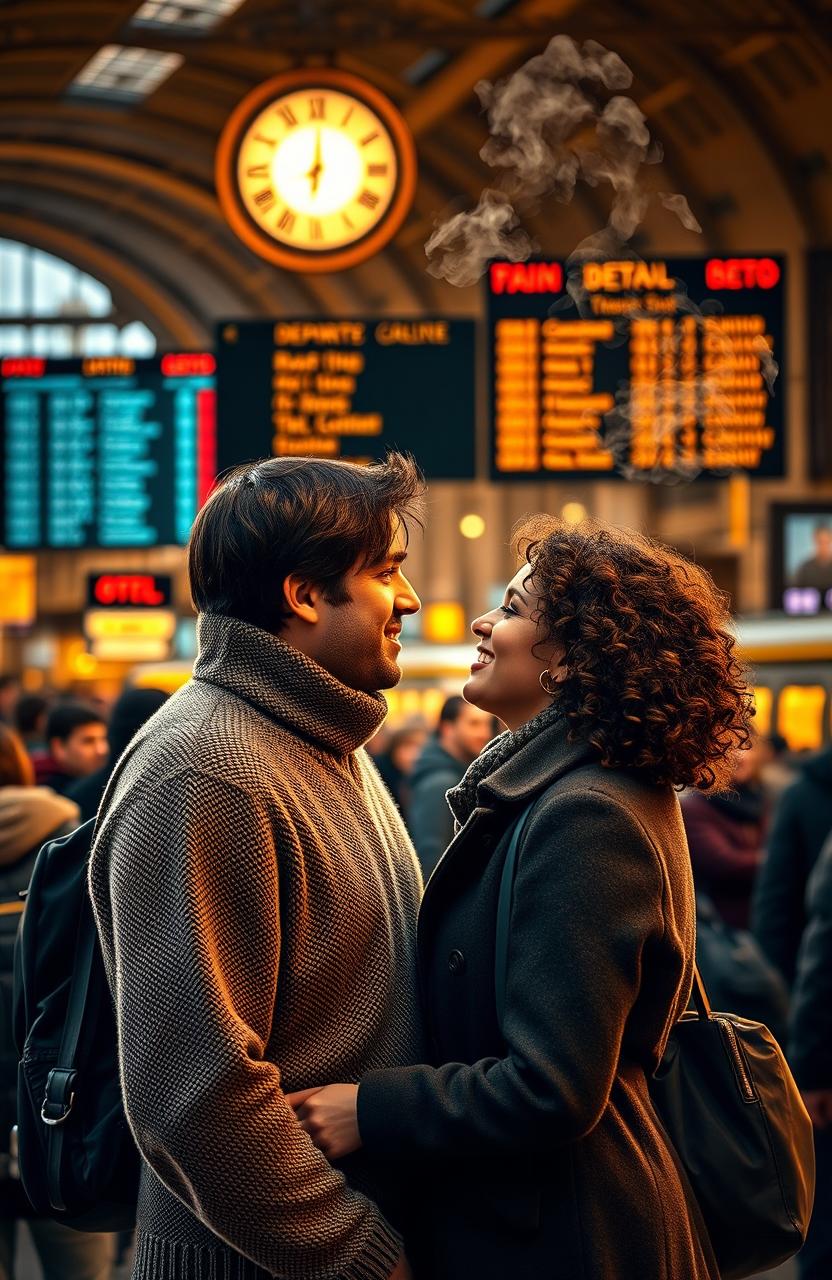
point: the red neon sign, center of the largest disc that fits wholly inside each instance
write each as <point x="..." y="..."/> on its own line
<point x="741" y="273"/>
<point x="188" y="363"/>
<point x="129" y="589"/>
<point x="23" y="367"/>
<point x="526" y="277"/>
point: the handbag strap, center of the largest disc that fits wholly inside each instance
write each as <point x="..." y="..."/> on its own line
<point x="699" y="995"/>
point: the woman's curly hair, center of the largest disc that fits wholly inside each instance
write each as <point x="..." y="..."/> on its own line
<point x="652" y="680"/>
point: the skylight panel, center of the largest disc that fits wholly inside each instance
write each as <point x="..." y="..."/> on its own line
<point x="121" y="73"/>
<point x="193" y="16"/>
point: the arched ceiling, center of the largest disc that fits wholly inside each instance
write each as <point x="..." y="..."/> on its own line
<point x="738" y="91"/>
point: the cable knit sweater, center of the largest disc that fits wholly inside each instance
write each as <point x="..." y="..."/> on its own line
<point x="256" y="896"/>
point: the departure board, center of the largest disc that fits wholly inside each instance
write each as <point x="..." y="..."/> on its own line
<point x="639" y="368"/>
<point x="348" y="389"/>
<point x="105" y="451"/>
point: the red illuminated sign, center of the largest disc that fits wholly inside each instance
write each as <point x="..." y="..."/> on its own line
<point x="187" y="364"/>
<point x="22" y="367"/>
<point x="741" y="273"/>
<point x="526" y="277"/>
<point x="128" y="590"/>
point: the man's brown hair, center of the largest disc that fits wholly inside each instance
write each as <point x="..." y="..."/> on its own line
<point x="311" y="516"/>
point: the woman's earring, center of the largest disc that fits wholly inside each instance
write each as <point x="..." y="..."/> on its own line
<point x="548" y="682"/>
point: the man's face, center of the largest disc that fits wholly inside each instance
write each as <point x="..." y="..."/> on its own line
<point x="84" y="751"/>
<point x="466" y="736"/>
<point x="357" y="641"/>
<point x="823" y="544"/>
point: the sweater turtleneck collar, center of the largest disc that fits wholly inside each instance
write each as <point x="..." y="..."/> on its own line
<point x="285" y="684"/>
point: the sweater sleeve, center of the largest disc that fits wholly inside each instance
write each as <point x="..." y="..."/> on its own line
<point x="587" y="902"/>
<point x="194" y="891"/>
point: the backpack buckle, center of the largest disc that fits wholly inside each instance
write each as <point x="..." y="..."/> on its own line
<point x="59" y="1096"/>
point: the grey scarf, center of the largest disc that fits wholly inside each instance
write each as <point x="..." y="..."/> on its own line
<point x="463" y="798"/>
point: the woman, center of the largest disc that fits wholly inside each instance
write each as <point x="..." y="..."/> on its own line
<point x="532" y="1149"/>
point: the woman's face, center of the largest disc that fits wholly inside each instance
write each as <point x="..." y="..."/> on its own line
<point x="505" y="678"/>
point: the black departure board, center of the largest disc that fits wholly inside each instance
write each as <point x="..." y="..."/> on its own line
<point x="636" y="380"/>
<point x="348" y="389"/>
<point x="105" y="451"/>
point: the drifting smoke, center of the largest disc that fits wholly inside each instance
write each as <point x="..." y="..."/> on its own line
<point x="550" y="127"/>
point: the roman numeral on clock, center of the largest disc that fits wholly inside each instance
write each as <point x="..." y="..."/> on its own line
<point x="286" y="221"/>
<point x="317" y="108"/>
<point x="264" y="199"/>
<point x="369" y="199"/>
<point x="371" y="137"/>
<point x="316" y="231"/>
<point x="377" y="170"/>
<point x="257" y="171"/>
<point x="287" y="114"/>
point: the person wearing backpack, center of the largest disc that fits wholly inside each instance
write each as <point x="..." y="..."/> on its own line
<point x="254" y="887"/>
<point x="30" y="815"/>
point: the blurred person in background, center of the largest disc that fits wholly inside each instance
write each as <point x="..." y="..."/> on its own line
<point x="30" y="714"/>
<point x="30" y="815"/>
<point x="801" y="823"/>
<point x="817" y="570"/>
<point x="130" y="711"/>
<point x="397" y="762"/>
<point x="726" y="835"/>
<point x="461" y="734"/>
<point x="810" y="1055"/>
<point x="76" y="739"/>
<point x="776" y="771"/>
<point x="9" y="694"/>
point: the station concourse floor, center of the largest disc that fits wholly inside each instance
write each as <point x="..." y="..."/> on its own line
<point x="29" y="1269"/>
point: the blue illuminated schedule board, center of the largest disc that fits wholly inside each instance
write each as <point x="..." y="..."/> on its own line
<point x="348" y="389"/>
<point x="636" y="381"/>
<point x="105" y="451"/>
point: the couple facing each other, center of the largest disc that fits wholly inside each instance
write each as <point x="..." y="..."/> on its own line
<point x="257" y="896"/>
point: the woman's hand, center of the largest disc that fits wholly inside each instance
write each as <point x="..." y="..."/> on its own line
<point x="330" y="1116"/>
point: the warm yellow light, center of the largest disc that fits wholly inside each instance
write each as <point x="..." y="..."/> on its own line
<point x="574" y="512"/>
<point x="472" y="526"/>
<point x="443" y="622"/>
<point x="129" y="624"/>
<point x="83" y="664"/>
<point x="18" y="590"/>
<point x="763" y="702"/>
<point x="800" y="716"/>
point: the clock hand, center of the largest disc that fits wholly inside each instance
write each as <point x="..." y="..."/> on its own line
<point x="315" y="172"/>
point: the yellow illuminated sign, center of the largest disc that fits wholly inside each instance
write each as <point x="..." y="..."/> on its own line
<point x="18" y="590"/>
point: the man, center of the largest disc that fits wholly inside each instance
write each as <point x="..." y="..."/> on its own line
<point x="76" y="738"/>
<point x="810" y="1054"/>
<point x="130" y="711"/>
<point x="462" y="733"/>
<point x="817" y="570"/>
<point x="255" y="891"/>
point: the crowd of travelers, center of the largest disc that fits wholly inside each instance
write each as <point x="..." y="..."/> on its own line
<point x="346" y="1102"/>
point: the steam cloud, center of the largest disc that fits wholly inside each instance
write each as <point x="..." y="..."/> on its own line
<point x="550" y="127"/>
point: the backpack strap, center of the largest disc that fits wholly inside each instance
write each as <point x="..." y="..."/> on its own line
<point x="504" y="911"/>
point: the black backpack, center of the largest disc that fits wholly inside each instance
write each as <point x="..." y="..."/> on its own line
<point x="78" y="1161"/>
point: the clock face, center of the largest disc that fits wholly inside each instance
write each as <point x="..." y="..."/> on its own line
<point x="317" y="172"/>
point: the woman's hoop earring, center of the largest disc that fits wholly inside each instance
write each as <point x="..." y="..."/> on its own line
<point x="548" y="682"/>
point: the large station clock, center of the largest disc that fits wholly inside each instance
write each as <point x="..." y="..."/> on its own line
<point x="316" y="170"/>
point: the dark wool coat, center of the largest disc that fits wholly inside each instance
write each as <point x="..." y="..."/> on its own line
<point x="535" y="1151"/>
